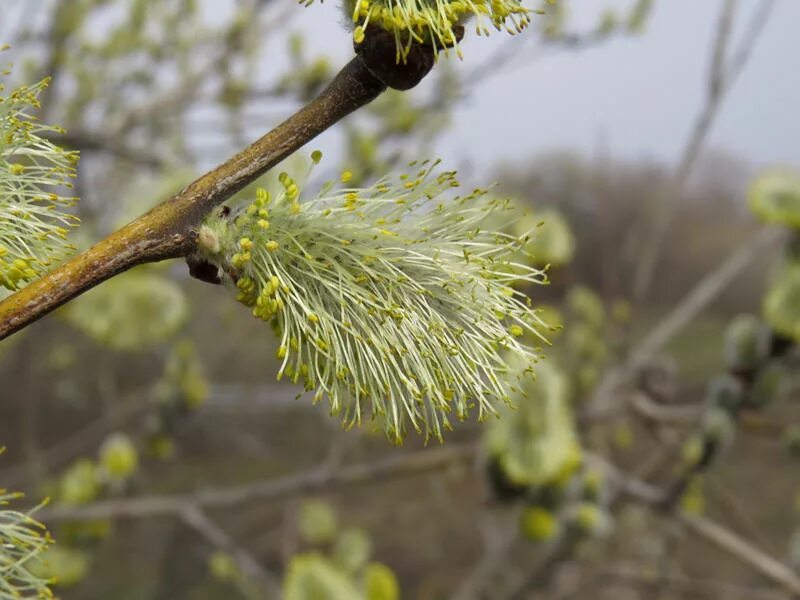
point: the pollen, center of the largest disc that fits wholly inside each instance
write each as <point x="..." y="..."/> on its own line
<point x="378" y="299"/>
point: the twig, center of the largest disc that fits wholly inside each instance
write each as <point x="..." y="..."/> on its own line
<point x="754" y="30"/>
<point x="646" y="407"/>
<point x="677" y="581"/>
<point x="627" y="487"/>
<point x="78" y="442"/>
<point x="545" y="569"/>
<point x="168" y="230"/>
<point x="198" y="520"/>
<point x="404" y="465"/>
<point x="722" y="76"/>
<point x="499" y="539"/>
<point x="679" y="317"/>
<point x="188" y="88"/>
<point x="744" y="551"/>
<point x="711" y="531"/>
<point x="736" y="515"/>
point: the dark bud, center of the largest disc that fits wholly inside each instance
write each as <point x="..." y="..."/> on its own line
<point x="550" y="496"/>
<point x="203" y="270"/>
<point x="793" y="247"/>
<point x="726" y="392"/>
<point x="708" y="454"/>
<point x="504" y="489"/>
<point x="378" y="52"/>
<point x="781" y="345"/>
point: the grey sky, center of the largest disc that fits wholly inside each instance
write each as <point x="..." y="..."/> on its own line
<point x="637" y="95"/>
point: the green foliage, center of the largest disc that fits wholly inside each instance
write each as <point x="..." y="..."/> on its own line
<point x="586" y="347"/>
<point x="181" y="390"/>
<point x="183" y="383"/>
<point x="553" y="243"/>
<point x="592" y="484"/>
<point x="746" y="343"/>
<point x="767" y="386"/>
<point x="313" y="577"/>
<point x="391" y="301"/>
<point x="318" y="523"/>
<point x="550" y="240"/>
<point x="223" y="566"/>
<point x="33" y="170"/>
<point x="344" y="572"/>
<point x="693" y="500"/>
<point x="590" y="519"/>
<point x="538" y="524"/>
<point x="80" y="483"/>
<point x="639" y="14"/>
<point x="782" y="303"/>
<point x="119" y="458"/>
<point x="587" y="306"/>
<point x="718" y="426"/>
<point x="133" y="311"/>
<point x="534" y="442"/>
<point x="612" y="21"/>
<point x="101" y="69"/>
<point x="62" y="565"/>
<point x="352" y="550"/>
<point x="306" y="77"/>
<point x="692" y="450"/>
<point x="554" y="19"/>
<point x="775" y="198"/>
<point x="380" y="583"/>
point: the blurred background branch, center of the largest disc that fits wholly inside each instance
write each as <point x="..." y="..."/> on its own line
<point x="655" y="456"/>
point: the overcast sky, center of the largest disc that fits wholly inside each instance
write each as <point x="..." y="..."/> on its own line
<point x="637" y="96"/>
<point x="634" y="96"/>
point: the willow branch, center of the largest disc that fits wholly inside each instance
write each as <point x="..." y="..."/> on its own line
<point x="743" y="550"/>
<point x="706" y="291"/>
<point x="169" y="229"/>
<point x="702" y="527"/>
<point x="315" y="480"/>
<point x="256" y="574"/>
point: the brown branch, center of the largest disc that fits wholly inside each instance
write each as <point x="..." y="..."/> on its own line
<point x="168" y="230"/>
<point x="702" y="527"/>
<point x="256" y="574"/>
<point x="743" y="550"/>
<point x="604" y="399"/>
<point x="651" y="410"/>
<point x="679" y="582"/>
<point x="630" y="488"/>
<point x="321" y="478"/>
<point x="79" y="442"/>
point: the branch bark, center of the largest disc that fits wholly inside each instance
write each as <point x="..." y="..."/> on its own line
<point x="168" y="230"/>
